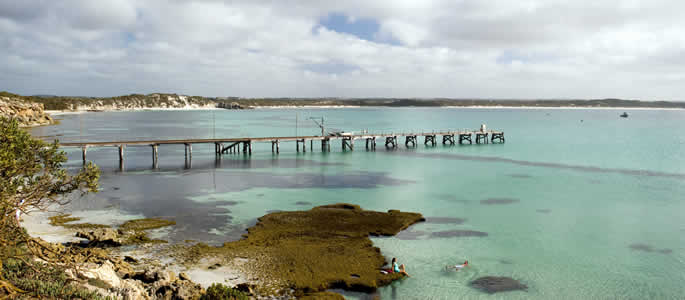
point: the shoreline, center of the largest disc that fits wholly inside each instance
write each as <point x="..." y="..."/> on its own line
<point x="65" y="112"/>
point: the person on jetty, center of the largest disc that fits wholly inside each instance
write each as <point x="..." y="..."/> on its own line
<point x="398" y="268"/>
<point x="459" y="267"/>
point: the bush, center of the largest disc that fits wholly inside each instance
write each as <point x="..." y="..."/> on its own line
<point x="44" y="281"/>
<point x="218" y="291"/>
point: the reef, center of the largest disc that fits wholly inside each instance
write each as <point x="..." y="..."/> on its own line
<point x="302" y="253"/>
<point x="494" y="284"/>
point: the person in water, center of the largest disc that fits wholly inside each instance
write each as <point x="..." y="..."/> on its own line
<point x="398" y="268"/>
<point x="459" y="267"/>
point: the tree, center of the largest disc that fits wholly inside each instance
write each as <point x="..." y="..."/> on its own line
<point x="31" y="178"/>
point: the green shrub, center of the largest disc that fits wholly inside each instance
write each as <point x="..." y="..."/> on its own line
<point x="44" y="281"/>
<point x="218" y="291"/>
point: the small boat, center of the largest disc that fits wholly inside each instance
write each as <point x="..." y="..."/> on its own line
<point x="624" y="115"/>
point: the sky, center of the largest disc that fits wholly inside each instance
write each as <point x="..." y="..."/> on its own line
<point x="582" y="49"/>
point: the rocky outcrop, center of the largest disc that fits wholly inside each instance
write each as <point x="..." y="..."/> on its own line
<point x="101" y="236"/>
<point x="27" y="114"/>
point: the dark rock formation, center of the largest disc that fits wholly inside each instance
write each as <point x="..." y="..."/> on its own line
<point x="497" y="201"/>
<point x="494" y="284"/>
<point x="445" y="220"/>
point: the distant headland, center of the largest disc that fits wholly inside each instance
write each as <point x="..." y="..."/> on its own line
<point x="10" y="103"/>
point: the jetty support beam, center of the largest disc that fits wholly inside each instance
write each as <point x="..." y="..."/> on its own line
<point x="371" y="143"/>
<point x="497" y="136"/>
<point x="84" y="149"/>
<point x="481" y="138"/>
<point x="448" y="138"/>
<point x="155" y="156"/>
<point x="410" y="139"/>
<point x="465" y="137"/>
<point x="391" y="142"/>
<point x="429" y="139"/>
<point x="348" y="143"/>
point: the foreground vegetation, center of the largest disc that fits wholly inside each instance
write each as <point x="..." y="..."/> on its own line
<point x="33" y="179"/>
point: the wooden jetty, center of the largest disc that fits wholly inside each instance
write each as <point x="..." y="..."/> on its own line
<point x="244" y="145"/>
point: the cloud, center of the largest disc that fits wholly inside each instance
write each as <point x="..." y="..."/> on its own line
<point x="468" y="48"/>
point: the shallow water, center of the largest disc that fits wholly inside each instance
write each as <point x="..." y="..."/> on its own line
<point x="577" y="203"/>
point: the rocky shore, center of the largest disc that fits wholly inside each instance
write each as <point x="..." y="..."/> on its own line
<point x="26" y="113"/>
<point x="297" y="254"/>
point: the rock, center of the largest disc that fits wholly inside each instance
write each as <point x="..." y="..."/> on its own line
<point x="104" y="272"/>
<point x="130" y="259"/>
<point x="26" y="113"/>
<point x="101" y="236"/>
<point x="494" y="284"/>
<point x="183" y="276"/>
<point x="132" y="289"/>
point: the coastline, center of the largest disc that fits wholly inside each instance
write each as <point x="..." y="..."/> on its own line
<point x="65" y="112"/>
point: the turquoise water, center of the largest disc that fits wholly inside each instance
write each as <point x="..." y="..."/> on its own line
<point x="585" y="205"/>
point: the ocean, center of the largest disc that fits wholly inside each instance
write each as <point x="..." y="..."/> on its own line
<point x="577" y="204"/>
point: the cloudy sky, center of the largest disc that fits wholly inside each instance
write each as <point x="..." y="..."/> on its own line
<point x="355" y="48"/>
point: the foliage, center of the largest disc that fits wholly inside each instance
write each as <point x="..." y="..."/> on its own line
<point x="43" y="280"/>
<point x="218" y="291"/>
<point x="31" y="178"/>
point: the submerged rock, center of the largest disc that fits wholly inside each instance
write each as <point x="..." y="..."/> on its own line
<point x="494" y="284"/>
<point x="445" y="220"/>
<point x="458" y="233"/>
<point x="498" y="201"/>
<point x="303" y="252"/>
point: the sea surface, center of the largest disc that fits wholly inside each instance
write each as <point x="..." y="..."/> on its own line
<point x="577" y="204"/>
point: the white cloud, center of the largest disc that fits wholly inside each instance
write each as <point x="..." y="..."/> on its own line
<point x="561" y="49"/>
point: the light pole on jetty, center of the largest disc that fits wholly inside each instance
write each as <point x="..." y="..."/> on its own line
<point x="323" y="131"/>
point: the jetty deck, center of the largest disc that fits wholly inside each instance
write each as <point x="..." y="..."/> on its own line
<point x="244" y="144"/>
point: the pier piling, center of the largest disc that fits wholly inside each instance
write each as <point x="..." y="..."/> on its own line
<point x="155" y="156"/>
<point x="84" y="149"/>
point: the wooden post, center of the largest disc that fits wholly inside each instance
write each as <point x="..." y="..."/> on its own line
<point x="121" y="153"/>
<point x="297" y="142"/>
<point x="155" y="156"/>
<point x="311" y="145"/>
<point x="249" y="144"/>
<point x="304" y="145"/>
<point x="84" y="150"/>
<point x="189" y="155"/>
<point x="278" y="146"/>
